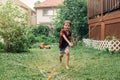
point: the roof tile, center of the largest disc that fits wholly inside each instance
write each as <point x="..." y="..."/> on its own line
<point x="49" y="3"/>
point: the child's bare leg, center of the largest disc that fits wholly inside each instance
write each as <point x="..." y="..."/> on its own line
<point x="61" y="56"/>
<point x="67" y="58"/>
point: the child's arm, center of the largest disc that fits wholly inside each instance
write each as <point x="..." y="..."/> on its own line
<point x="70" y="44"/>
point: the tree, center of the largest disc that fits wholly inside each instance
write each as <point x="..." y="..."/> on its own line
<point x="37" y="2"/>
<point x="13" y="27"/>
<point x="76" y="12"/>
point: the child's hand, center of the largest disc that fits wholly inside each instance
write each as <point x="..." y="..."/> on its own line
<point x="71" y="44"/>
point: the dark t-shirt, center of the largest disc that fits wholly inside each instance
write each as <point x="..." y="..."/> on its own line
<point x="62" y="41"/>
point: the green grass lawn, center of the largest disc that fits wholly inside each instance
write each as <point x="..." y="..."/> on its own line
<point x="43" y="64"/>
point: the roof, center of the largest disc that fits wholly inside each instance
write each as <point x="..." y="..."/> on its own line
<point x="49" y="3"/>
<point x="23" y="5"/>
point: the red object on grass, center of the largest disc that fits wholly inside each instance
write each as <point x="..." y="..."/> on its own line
<point x="43" y="46"/>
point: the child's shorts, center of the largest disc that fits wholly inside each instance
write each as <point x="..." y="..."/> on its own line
<point x="62" y="50"/>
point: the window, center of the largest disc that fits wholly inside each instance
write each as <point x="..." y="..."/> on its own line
<point x="47" y="12"/>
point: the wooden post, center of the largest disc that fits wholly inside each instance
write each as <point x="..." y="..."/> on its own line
<point x="102" y="31"/>
<point x="89" y="31"/>
<point x="102" y="23"/>
<point x="101" y="8"/>
<point x="89" y="8"/>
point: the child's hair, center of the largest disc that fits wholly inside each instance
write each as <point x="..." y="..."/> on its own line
<point x="67" y="21"/>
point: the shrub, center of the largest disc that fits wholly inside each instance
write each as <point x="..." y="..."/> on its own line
<point x="41" y="30"/>
<point x="31" y="38"/>
<point x="76" y="12"/>
<point x="42" y="34"/>
<point x="18" y="41"/>
<point x="2" y="46"/>
<point x="13" y="27"/>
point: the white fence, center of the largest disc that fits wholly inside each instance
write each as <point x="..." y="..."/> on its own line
<point x="112" y="45"/>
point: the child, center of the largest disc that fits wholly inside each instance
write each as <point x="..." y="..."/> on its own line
<point x="64" y="43"/>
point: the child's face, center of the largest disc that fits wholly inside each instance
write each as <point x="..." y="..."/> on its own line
<point x="67" y="26"/>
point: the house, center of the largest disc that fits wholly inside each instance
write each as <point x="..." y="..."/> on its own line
<point x="31" y="13"/>
<point x="23" y="7"/>
<point x="104" y="19"/>
<point x="46" y="11"/>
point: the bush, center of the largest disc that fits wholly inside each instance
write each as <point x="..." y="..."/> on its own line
<point x="2" y="46"/>
<point x="18" y="41"/>
<point x="31" y="38"/>
<point x="41" y="30"/>
<point x="13" y="27"/>
<point x="46" y="40"/>
<point x="76" y="12"/>
<point x="42" y="34"/>
<point x="57" y="33"/>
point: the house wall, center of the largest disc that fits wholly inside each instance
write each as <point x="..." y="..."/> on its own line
<point x="101" y="7"/>
<point x="113" y="30"/>
<point x="95" y="32"/>
<point x="24" y="9"/>
<point x="33" y="19"/>
<point x="104" y="16"/>
<point x="107" y="25"/>
<point x="45" y="19"/>
<point x="3" y="1"/>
